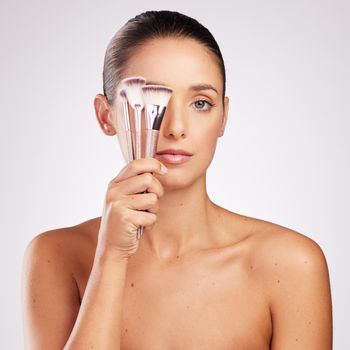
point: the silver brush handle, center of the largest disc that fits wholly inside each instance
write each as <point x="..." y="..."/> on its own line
<point x="138" y="156"/>
<point x="138" y="145"/>
<point x="129" y="146"/>
<point x="152" y="141"/>
<point x="137" y="119"/>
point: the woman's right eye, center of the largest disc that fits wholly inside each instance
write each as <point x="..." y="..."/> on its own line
<point x="202" y="105"/>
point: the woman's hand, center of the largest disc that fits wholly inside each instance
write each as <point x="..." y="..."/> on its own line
<point x="125" y="203"/>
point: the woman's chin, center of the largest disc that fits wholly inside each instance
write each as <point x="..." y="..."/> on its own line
<point x="173" y="180"/>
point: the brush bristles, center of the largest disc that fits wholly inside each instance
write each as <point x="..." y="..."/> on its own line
<point x="156" y="94"/>
<point x="133" y="90"/>
<point x="134" y="80"/>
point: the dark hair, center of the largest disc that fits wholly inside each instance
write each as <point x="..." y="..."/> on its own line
<point x="149" y="25"/>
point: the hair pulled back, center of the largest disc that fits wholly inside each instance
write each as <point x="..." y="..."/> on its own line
<point x="144" y="27"/>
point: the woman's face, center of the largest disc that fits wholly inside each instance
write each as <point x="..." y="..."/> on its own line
<point x="196" y="113"/>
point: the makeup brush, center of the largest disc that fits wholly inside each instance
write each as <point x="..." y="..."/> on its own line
<point x="127" y="129"/>
<point x="156" y="98"/>
<point x="133" y="92"/>
<point x="118" y="116"/>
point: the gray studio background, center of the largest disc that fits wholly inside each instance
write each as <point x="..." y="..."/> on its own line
<point x="284" y="157"/>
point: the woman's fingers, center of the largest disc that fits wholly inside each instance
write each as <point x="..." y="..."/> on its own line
<point x="142" y="218"/>
<point x="137" y="184"/>
<point x="140" y="166"/>
<point x="143" y="201"/>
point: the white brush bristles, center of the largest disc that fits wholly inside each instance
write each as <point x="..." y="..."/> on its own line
<point x="156" y="94"/>
<point x="133" y="89"/>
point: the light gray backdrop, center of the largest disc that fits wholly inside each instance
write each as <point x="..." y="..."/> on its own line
<point x="284" y="157"/>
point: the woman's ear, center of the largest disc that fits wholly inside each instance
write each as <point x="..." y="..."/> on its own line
<point x="103" y="113"/>
<point x="225" y="115"/>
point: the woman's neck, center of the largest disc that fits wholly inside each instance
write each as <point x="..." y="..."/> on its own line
<point x="183" y="222"/>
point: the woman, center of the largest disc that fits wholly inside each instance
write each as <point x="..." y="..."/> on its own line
<point x="200" y="277"/>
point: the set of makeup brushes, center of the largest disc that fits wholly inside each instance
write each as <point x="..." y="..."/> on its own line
<point x="140" y="112"/>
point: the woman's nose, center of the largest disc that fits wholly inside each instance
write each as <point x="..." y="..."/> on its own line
<point x="174" y="122"/>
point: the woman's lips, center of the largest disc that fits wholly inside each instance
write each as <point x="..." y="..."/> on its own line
<point x="173" y="156"/>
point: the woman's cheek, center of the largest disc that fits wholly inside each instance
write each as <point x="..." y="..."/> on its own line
<point x="208" y="144"/>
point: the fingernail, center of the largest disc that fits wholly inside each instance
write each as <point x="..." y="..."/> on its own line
<point x="163" y="169"/>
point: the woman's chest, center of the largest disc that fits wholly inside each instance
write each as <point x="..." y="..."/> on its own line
<point x="194" y="306"/>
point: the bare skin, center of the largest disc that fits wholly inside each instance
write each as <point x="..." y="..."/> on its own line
<point x="201" y="277"/>
<point x="260" y="286"/>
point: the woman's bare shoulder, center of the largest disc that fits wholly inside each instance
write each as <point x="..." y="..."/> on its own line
<point x="65" y="237"/>
<point x="50" y="293"/>
<point x="277" y="241"/>
<point x="64" y="244"/>
<point x="287" y="258"/>
<point x="295" y="274"/>
<point x="273" y="245"/>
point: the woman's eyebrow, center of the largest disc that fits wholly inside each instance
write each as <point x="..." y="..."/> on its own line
<point x="196" y="87"/>
<point x="200" y="87"/>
